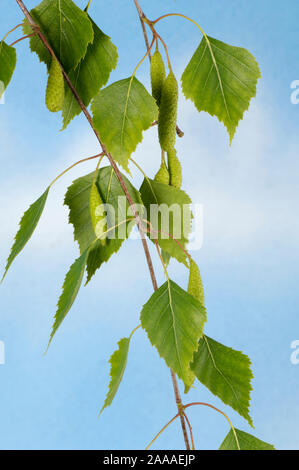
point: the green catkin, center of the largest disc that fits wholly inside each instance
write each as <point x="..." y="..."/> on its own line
<point x="195" y="286"/>
<point x="163" y="175"/>
<point x="175" y="169"/>
<point x="55" y="88"/>
<point x="168" y="113"/>
<point x="97" y="213"/>
<point x="158" y="75"/>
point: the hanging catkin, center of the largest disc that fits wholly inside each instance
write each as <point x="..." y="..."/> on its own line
<point x="158" y="75"/>
<point x="163" y="175"/>
<point x="195" y="286"/>
<point x="168" y="113"/>
<point x="97" y="213"/>
<point x="55" y="88"/>
<point x="175" y="169"/>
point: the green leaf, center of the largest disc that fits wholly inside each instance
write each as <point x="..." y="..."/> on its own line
<point x="174" y="321"/>
<point x="28" y="224"/>
<point x="221" y="79"/>
<point x="78" y="198"/>
<point x="8" y="60"/>
<point x="168" y="210"/>
<point x="246" y="442"/>
<point x="91" y="74"/>
<point x="70" y="289"/>
<point x="226" y="373"/>
<point x="118" y="362"/>
<point x="120" y="113"/>
<point x="67" y="29"/>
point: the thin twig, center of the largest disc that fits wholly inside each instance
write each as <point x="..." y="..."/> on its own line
<point x="163" y="429"/>
<point x="119" y="176"/>
<point x="75" y="164"/>
<point x="109" y="156"/>
<point x="190" y="429"/>
<point x="219" y="411"/>
<point x="142" y="16"/>
<point x="22" y="39"/>
<point x="173" y="376"/>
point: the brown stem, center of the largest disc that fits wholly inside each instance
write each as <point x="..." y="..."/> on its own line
<point x="173" y="376"/>
<point x="142" y="16"/>
<point x="119" y="176"/>
<point x="109" y="156"/>
<point x="22" y="39"/>
<point x="190" y="430"/>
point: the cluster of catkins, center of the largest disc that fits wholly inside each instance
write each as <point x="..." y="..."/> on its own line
<point x="165" y="91"/>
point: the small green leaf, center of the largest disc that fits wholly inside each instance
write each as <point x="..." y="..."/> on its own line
<point x="118" y="362"/>
<point x="8" y="60"/>
<point x="28" y="224"/>
<point x="174" y="322"/>
<point x="77" y="199"/>
<point x="91" y="74"/>
<point x="66" y="27"/>
<point x="120" y="113"/>
<point x="246" y="442"/>
<point x="226" y="373"/>
<point x="70" y="289"/>
<point x="168" y="211"/>
<point x="221" y="79"/>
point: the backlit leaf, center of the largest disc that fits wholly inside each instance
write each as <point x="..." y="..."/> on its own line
<point x="118" y="363"/>
<point x="221" y="79"/>
<point x="174" y="321"/>
<point x="121" y="112"/>
<point x="226" y="373"/>
<point x="8" y="60"/>
<point x="67" y="29"/>
<point x="28" y="224"/>
<point x="168" y="211"/>
<point x="244" y="441"/>
<point x="91" y="74"/>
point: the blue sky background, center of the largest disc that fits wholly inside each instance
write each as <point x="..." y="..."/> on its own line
<point x="249" y="259"/>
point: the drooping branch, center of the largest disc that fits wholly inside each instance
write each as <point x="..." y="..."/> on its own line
<point x="112" y="162"/>
<point x="173" y="376"/>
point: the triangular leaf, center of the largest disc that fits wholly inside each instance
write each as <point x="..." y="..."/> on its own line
<point x="118" y="362"/>
<point x="243" y="441"/>
<point x="221" y="79"/>
<point x="120" y="113"/>
<point x="91" y="74"/>
<point x="174" y="321"/>
<point x="226" y="373"/>
<point x="8" y="60"/>
<point x="168" y="211"/>
<point x="66" y="27"/>
<point x="78" y="197"/>
<point x="28" y="224"/>
<point x="70" y="289"/>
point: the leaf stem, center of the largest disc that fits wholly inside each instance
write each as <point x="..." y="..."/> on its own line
<point x="87" y="7"/>
<point x="75" y="164"/>
<point x="221" y="412"/>
<point x="22" y="39"/>
<point x="162" y="430"/>
<point x="190" y="430"/>
<point x="182" y="16"/>
<point x="11" y="31"/>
